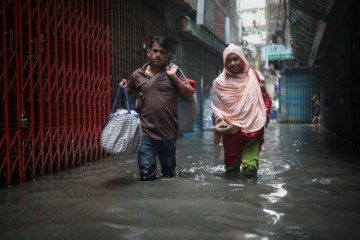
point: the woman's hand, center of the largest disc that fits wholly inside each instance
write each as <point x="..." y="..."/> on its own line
<point x="223" y="127"/>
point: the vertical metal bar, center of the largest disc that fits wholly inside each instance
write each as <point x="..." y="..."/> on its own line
<point x="96" y="105"/>
<point x="102" y="105"/>
<point x="19" y="88"/>
<point x="71" y="80"/>
<point x="57" y="102"/>
<point x="64" y="83"/>
<point x="82" y="91"/>
<point x="96" y="75"/>
<point x="77" y="82"/>
<point x="88" y="78"/>
<point x="49" y="84"/>
<point x="6" y="97"/>
<point x="40" y="88"/>
<point x="89" y="90"/>
<point x="31" y="79"/>
<point x="115" y="59"/>
<point x="106" y="107"/>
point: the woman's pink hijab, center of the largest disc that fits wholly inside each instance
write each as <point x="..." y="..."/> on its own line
<point x="237" y="97"/>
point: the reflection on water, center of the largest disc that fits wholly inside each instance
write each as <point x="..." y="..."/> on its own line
<point x="307" y="188"/>
<point x="276" y="216"/>
<point x="279" y="192"/>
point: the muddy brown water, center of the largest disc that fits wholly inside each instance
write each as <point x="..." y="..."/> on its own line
<point x="308" y="187"/>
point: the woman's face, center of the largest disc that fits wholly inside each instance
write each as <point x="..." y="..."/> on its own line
<point x="234" y="64"/>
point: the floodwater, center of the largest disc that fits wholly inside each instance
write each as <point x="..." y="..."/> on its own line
<point x="308" y="187"/>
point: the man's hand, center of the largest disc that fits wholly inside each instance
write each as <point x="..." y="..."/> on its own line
<point x="171" y="70"/>
<point x="123" y="83"/>
<point x="185" y="89"/>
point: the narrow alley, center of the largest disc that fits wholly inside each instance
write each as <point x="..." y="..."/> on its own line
<point x="307" y="188"/>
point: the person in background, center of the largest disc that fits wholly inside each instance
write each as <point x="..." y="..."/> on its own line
<point x="316" y="110"/>
<point x="240" y="113"/>
<point x="158" y="84"/>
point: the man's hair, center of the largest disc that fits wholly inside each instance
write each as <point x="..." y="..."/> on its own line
<point x="161" y="41"/>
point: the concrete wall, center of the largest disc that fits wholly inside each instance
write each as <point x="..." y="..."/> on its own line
<point x="340" y="80"/>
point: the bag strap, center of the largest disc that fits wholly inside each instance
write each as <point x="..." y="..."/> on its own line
<point x="127" y="100"/>
<point x="147" y="87"/>
<point x="128" y="103"/>
<point x="115" y="100"/>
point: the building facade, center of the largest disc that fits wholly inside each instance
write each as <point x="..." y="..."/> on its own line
<point x="61" y="62"/>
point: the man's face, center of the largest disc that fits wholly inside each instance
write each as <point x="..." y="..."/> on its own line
<point x="234" y="64"/>
<point x="157" y="55"/>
